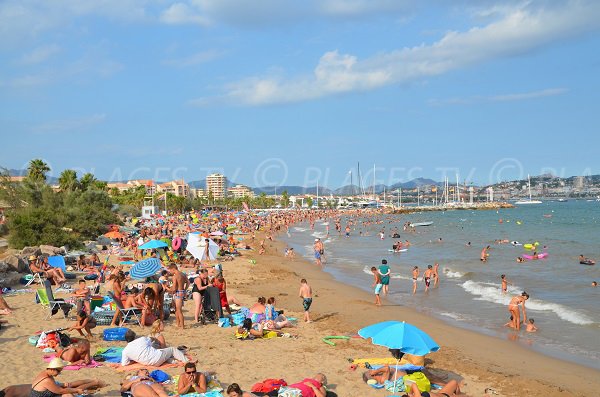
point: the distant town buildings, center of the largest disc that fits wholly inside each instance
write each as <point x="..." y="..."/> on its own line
<point x="216" y="184"/>
<point x="240" y="191"/>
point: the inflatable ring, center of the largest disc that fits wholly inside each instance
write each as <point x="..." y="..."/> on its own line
<point x="176" y="243"/>
<point x="330" y="343"/>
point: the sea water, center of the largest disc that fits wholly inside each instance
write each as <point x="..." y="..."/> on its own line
<point x="565" y="307"/>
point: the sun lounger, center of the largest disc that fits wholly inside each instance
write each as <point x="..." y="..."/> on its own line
<point x="127" y="313"/>
<point x="46" y="298"/>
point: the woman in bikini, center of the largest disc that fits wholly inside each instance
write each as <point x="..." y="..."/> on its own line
<point x="198" y="290"/>
<point x="450" y="389"/>
<point x="513" y="308"/>
<point x="44" y="384"/>
<point x="142" y="385"/>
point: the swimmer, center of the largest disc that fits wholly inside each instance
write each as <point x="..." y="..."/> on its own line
<point x="594" y="283"/>
<point x="505" y="283"/>
<point x="484" y="254"/>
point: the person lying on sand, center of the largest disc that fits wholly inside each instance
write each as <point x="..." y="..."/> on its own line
<point x="142" y="385"/>
<point x="234" y="390"/>
<point x="77" y="353"/>
<point x="451" y="389"/>
<point x="248" y="330"/>
<point x="309" y="387"/>
<point x="382" y="374"/>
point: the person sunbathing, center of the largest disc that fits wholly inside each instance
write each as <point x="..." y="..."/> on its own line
<point x="77" y="353"/>
<point x="450" y="389"/>
<point x="142" y="385"/>
<point x="248" y="330"/>
<point x="44" y="384"/>
<point x="275" y="319"/>
<point x="50" y="275"/>
<point x="191" y="381"/>
<point x="234" y="390"/>
<point x="257" y="310"/>
<point x="310" y="387"/>
<point x="383" y="374"/>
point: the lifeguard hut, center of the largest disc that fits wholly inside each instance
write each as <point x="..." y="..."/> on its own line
<point x="149" y="209"/>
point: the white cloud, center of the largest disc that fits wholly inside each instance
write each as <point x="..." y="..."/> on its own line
<point x="69" y="125"/>
<point x="40" y="54"/>
<point x="522" y="31"/>
<point x="500" y="98"/>
<point x="343" y="8"/>
<point x="182" y="13"/>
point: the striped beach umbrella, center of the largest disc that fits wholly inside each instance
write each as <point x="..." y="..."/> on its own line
<point x="146" y="268"/>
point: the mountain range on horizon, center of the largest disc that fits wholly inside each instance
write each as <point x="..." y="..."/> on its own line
<point x="348" y="189"/>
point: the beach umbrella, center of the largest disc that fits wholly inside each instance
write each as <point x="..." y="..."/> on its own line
<point x="217" y="233"/>
<point x="400" y="335"/>
<point x="146" y="268"/>
<point x="113" y="234"/>
<point x="153" y="244"/>
<point x="197" y="247"/>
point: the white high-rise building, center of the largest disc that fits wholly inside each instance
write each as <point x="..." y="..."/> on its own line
<point x="217" y="185"/>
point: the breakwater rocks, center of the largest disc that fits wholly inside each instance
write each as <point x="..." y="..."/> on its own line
<point x="453" y="206"/>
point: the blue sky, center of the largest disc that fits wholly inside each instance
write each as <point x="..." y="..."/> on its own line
<point x="286" y="92"/>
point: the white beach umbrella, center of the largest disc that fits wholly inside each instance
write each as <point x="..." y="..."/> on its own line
<point x="197" y="247"/>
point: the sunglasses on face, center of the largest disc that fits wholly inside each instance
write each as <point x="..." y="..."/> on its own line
<point x="190" y="372"/>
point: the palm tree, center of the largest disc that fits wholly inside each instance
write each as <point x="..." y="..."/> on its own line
<point x="67" y="181"/>
<point x="87" y="181"/>
<point x="36" y="170"/>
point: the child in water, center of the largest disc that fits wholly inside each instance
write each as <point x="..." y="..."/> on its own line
<point x="530" y="326"/>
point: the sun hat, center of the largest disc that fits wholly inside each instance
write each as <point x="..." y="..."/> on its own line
<point x="32" y="257"/>
<point x="56" y="363"/>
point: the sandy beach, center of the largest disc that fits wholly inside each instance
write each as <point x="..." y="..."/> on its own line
<point x="482" y="361"/>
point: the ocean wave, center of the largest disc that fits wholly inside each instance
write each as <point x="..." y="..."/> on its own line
<point x="319" y="234"/>
<point x="300" y="229"/>
<point x="492" y="293"/>
<point x="452" y="315"/>
<point x="452" y="274"/>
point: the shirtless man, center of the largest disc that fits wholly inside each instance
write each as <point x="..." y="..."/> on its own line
<point x="435" y="274"/>
<point x="306" y="295"/>
<point x="377" y="284"/>
<point x="77" y="353"/>
<point x="415" y="276"/>
<point x="83" y="295"/>
<point x="513" y="308"/>
<point x="427" y="277"/>
<point x="317" y="251"/>
<point x="180" y="284"/>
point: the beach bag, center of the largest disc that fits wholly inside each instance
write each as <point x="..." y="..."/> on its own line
<point x="224" y="322"/>
<point x="119" y="333"/>
<point x="159" y="376"/>
<point x="238" y="318"/>
<point x="289" y="392"/>
<point x="420" y="379"/>
<point x="268" y="385"/>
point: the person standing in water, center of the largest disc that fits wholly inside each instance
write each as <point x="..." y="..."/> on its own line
<point x="504" y="283"/>
<point x="415" y="276"/>
<point x="513" y="308"/>
<point x="427" y="274"/>
<point x="484" y="254"/>
<point x="435" y="274"/>
<point x="384" y="271"/>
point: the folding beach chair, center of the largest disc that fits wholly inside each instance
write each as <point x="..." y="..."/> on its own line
<point x="127" y="313"/>
<point x="46" y="298"/>
<point x="35" y="277"/>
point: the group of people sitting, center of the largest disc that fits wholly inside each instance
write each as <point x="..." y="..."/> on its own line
<point x="263" y="321"/>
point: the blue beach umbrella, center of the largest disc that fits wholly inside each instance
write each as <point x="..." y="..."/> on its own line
<point x="400" y="335"/>
<point x="146" y="268"/>
<point x="153" y="244"/>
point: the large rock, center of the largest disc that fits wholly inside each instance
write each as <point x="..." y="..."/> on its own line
<point x="4" y="267"/>
<point x="17" y="263"/>
<point x="9" y="279"/>
<point x="50" y="250"/>
<point x="27" y="251"/>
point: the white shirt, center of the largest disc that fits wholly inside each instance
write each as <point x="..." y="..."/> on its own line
<point x="141" y="351"/>
<point x="140" y="241"/>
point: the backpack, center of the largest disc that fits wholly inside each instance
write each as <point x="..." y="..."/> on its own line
<point x="268" y="385"/>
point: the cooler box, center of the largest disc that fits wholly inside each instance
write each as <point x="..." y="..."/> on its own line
<point x="97" y="301"/>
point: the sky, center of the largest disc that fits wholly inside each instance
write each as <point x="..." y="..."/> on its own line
<point x="286" y="92"/>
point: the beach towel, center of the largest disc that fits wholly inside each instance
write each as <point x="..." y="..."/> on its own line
<point x="138" y="366"/>
<point x="93" y="364"/>
<point x="212" y="385"/>
<point x="109" y="354"/>
<point x="207" y="394"/>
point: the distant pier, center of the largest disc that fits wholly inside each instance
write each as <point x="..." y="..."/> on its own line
<point x="452" y="206"/>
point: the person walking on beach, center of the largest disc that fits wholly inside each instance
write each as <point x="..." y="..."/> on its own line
<point x="384" y="271"/>
<point x="306" y="295"/>
<point x="415" y="277"/>
<point x="427" y="274"/>
<point x="377" y="284"/>
<point x="178" y="289"/>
